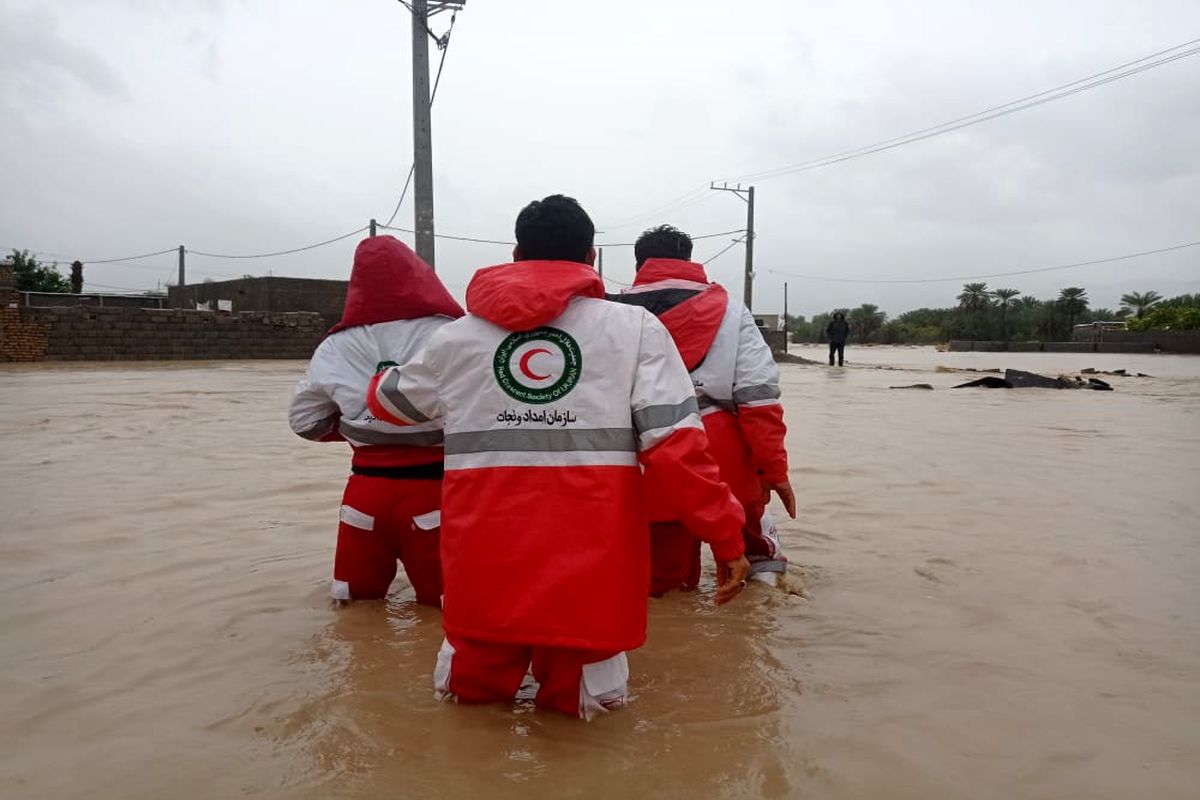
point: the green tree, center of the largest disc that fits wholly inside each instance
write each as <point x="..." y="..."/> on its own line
<point x="866" y="320"/>
<point x="1004" y="299"/>
<point x="1182" y="301"/>
<point x="974" y="297"/>
<point x="1165" y="317"/>
<point x="1138" y="302"/>
<point x="29" y="275"/>
<point x="1072" y="301"/>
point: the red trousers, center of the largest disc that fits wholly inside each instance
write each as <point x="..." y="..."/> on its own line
<point x="675" y="552"/>
<point x="581" y="683"/>
<point x="382" y="520"/>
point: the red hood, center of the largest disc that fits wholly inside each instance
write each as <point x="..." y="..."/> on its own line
<point x="390" y="282"/>
<point x="528" y="294"/>
<point x="692" y="320"/>
<point x="661" y="269"/>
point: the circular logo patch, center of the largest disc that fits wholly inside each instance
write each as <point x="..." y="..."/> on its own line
<point x="538" y="366"/>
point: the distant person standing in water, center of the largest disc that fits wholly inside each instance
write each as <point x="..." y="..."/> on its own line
<point x="837" y="331"/>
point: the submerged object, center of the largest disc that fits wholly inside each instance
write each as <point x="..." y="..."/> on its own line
<point x="1019" y="379"/>
<point x="990" y="382"/>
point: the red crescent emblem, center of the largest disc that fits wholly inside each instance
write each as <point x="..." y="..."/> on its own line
<point x="525" y="364"/>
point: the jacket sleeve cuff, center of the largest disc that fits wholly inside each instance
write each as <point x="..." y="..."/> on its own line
<point x="730" y="549"/>
<point x="774" y="473"/>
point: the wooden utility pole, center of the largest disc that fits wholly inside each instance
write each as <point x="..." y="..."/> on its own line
<point x="182" y="277"/>
<point x="747" y="195"/>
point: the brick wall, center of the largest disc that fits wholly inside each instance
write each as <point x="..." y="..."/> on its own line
<point x="131" y="334"/>
<point x="326" y="297"/>
<point x="1112" y="342"/>
<point x="20" y="339"/>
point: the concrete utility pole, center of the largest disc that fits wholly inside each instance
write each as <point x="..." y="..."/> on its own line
<point x="746" y="195"/>
<point x="600" y="262"/>
<point x="182" y="280"/>
<point x="422" y="10"/>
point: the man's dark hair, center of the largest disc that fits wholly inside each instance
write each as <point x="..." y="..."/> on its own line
<point x="554" y="229"/>
<point x="664" y="241"/>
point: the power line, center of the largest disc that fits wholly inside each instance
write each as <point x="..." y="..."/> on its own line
<point x="118" y="288"/>
<point x="127" y="258"/>
<point x="692" y="196"/>
<point x="277" y="252"/>
<point x="989" y="275"/>
<point x="510" y="243"/>
<point x="726" y="249"/>
<point x="1107" y="76"/>
<point x="448" y="236"/>
<point x="693" y="238"/>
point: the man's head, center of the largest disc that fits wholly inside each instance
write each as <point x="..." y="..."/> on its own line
<point x="662" y="242"/>
<point x="839" y="315"/>
<point x="555" y="229"/>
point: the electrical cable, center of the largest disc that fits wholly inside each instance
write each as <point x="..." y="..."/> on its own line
<point x="693" y="238"/>
<point x="278" y="252"/>
<point x="1030" y="271"/>
<point x="510" y="243"/>
<point x="686" y="199"/>
<point x="725" y="250"/>
<point x="128" y="258"/>
<point x="1049" y="95"/>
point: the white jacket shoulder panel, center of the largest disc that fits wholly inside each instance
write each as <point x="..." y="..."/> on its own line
<point x="715" y="375"/>
<point x="342" y="368"/>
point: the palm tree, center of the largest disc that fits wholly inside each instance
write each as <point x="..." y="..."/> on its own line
<point x="865" y="320"/>
<point x="1004" y="298"/>
<point x="1138" y="302"/>
<point x="1073" y="302"/>
<point x="974" y="297"/>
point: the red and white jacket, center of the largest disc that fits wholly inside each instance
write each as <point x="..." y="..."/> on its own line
<point x="394" y="303"/>
<point x="735" y="375"/>
<point x="553" y="401"/>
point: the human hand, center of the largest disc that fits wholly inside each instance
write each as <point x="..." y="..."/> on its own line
<point x="731" y="579"/>
<point x="786" y="495"/>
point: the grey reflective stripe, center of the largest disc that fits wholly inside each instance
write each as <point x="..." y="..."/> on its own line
<point x="762" y="391"/>
<point x="708" y="402"/>
<point x="556" y="441"/>
<point x="653" y="417"/>
<point x="320" y="429"/>
<point x="400" y="437"/>
<point x="391" y="390"/>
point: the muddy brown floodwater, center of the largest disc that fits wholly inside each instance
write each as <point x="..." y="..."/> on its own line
<point x="1005" y="596"/>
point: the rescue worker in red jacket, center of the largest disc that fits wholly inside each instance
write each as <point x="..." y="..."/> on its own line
<point x="737" y="385"/>
<point x="390" y="509"/>
<point x="554" y="400"/>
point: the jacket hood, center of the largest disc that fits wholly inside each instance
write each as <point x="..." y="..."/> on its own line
<point x="692" y="314"/>
<point x="390" y="282"/>
<point x="528" y="294"/>
<point x="661" y="269"/>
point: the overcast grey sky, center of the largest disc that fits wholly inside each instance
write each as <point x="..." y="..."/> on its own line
<point x="238" y="126"/>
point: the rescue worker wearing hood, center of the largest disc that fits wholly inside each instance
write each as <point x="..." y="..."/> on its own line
<point x="737" y="385"/>
<point x="554" y="400"/>
<point x="390" y="509"/>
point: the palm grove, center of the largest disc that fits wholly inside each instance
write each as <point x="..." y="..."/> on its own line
<point x="1004" y="315"/>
